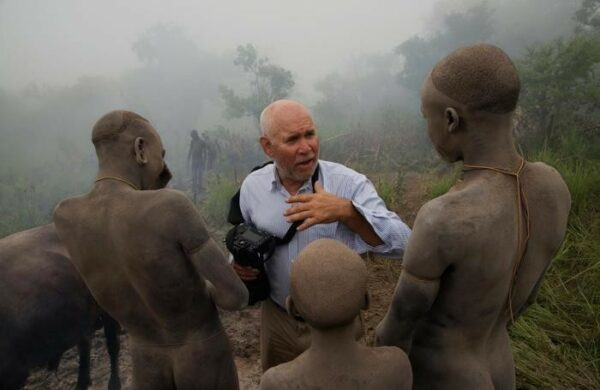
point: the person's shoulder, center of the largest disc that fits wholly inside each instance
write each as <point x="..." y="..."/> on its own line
<point x="437" y="212"/>
<point x="166" y="199"/>
<point x="261" y="177"/>
<point x="341" y="174"/>
<point x="545" y="175"/>
<point x="335" y="168"/>
<point x="393" y="364"/>
<point x="68" y="208"/>
<point x="277" y="377"/>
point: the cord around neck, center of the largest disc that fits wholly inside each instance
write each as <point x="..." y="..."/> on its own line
<point x="130" y="184"/>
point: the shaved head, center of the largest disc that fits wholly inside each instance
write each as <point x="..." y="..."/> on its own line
<point x="280" y="110"/>
<point x="115" y="123"/>
<point x="328" y="283"/>
<point x="482" y="77"/>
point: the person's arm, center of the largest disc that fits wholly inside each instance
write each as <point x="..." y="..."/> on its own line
<point x="417" y="286"/>
<point x="365" y="214"/>
<point x="225" y="288"/>
<point x="207" y="258"/>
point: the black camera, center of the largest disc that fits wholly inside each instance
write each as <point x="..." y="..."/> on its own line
<point x="250" y="246"/>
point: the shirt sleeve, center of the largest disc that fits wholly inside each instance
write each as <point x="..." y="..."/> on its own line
<point x="387" y="225"/>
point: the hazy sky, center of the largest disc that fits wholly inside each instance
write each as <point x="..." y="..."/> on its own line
<point x="55" y="42"/>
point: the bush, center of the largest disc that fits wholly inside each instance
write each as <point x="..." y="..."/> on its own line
<point x="216" y="205"/>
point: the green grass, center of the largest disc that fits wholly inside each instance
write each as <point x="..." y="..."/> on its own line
<point x="216" y="205"/>
<point x="440" y="184"/>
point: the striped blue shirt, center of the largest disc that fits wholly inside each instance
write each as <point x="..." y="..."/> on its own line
<point x="262" y="201"/>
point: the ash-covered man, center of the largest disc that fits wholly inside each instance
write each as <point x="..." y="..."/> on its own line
<point x="478" y="253"/>
<point x="343" y="205"/>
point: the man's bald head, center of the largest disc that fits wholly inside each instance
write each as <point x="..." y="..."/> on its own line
<point x="115" y="123"/>
<point x="328" y="284"/>
<point x="279" y="111"/>
<point x="482" y="77"/>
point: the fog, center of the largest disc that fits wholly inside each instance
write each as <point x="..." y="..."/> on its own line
<point x="357" y="64"/>
<point x="57" y="42"/>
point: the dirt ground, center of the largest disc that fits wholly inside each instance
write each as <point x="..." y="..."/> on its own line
<point x="242" y="327"/>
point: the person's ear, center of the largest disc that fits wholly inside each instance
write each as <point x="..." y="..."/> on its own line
<point x="140" y="151"/>
<point x="291" y="308"/>
<point x="452" y="119"/>
<point x="367" y="301"/>
<point x="266" y="145"/>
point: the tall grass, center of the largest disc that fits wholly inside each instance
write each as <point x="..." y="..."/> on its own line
<point x="440" y="184"/>
<point x="216" y="205"/>
<point x="557" y="342"/>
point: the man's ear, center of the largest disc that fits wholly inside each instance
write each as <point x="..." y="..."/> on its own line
<point x="139" y="146"/>
<point x="267" y="147"/>
<point x="367" y="301"/>
<point x="452" y="119"/>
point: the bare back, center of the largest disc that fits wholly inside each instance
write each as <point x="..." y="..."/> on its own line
<point x="129" y="249"/>
<point x="476" y="239"/>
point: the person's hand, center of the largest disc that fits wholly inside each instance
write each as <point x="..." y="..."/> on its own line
<point x="247" y="274"/>
<point x="319" y="207"/>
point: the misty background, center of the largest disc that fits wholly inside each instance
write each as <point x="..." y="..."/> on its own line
<point x="213" y="66"/>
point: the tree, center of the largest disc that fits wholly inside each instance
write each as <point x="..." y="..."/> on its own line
<point x="459" y="29"/>
<point x="269" y="82"/>
<point x="560" y="90"/>
<point x="588" y="14"/>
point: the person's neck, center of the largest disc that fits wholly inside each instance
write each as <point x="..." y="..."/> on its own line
<point x="292" y="186"/>
<point x="491" y="147"/>
<point x="120" y="177"/>
<point x="334" y="341"/>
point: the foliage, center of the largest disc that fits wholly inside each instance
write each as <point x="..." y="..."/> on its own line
<point x="390" y="189"/>
<point x="440" y="184"/>
<point x="458" y="29"/>
<point x="216" y="205"/>
<point x="269" y="82"/>
<point x="560" y="90"/>
<point x="588" y="14"/>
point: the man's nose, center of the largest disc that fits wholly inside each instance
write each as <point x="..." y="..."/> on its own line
<point x="304" y="146"/>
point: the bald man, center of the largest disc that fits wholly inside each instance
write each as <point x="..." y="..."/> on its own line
<point x="146" y="256"/>
<point x="328" y="290"/>
<point x="478" y="254"/>
<point x="343" y="205"/>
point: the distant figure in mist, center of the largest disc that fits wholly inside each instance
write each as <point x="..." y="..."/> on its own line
<point x="196" y="161"/>
<point x="478" y="254"/>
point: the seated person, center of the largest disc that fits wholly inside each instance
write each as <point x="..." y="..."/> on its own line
<point x="478" y="254"/>
<point x="328" y="289"/>
<point x="146" y="256"/>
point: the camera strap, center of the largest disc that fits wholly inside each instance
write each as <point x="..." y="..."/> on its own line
<point x="235" y="217"/>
